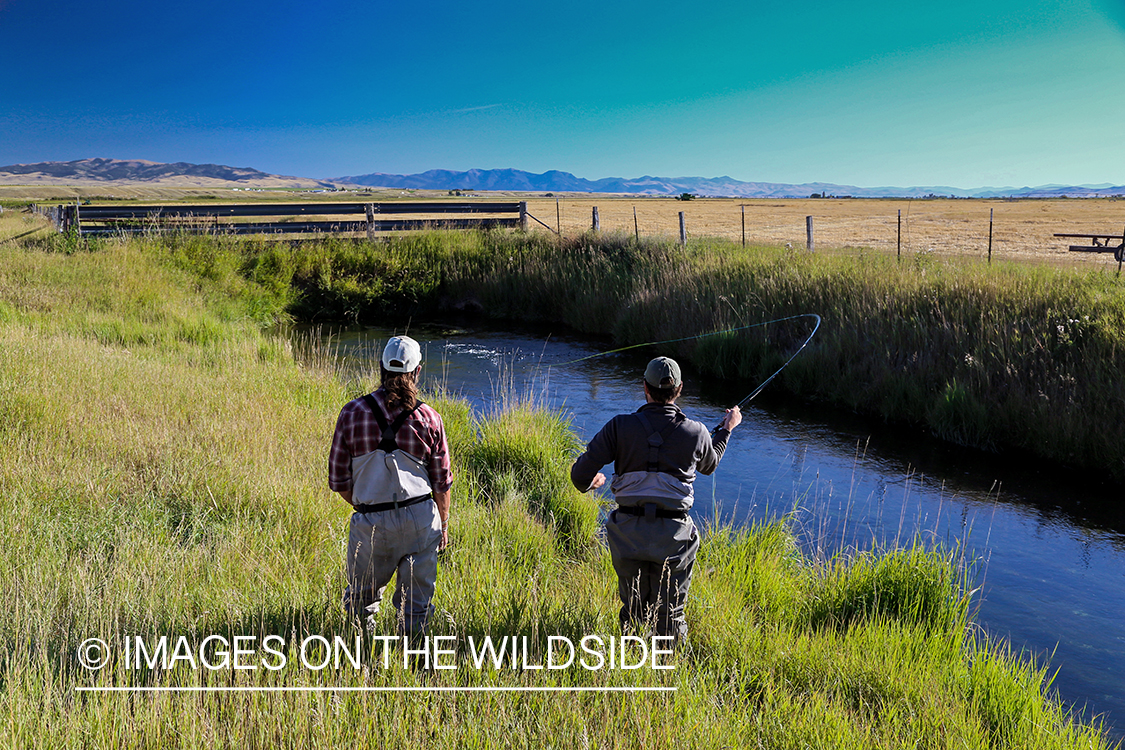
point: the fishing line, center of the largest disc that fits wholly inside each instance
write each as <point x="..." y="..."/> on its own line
<point x="753" y="394"/>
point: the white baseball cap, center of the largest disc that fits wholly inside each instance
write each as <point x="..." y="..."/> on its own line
<point x="402" y="354"/>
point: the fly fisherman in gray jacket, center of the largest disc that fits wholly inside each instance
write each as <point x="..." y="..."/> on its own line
<point x="656" y="452"/>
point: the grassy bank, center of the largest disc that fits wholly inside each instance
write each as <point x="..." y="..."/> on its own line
<point x="162" y="473"/>
<point x="1000" y="356"/>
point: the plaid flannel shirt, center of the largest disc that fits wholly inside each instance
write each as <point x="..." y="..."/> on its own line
<point x="357" y="433"/>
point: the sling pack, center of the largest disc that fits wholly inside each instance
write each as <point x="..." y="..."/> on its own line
<point x="388" y="477"/>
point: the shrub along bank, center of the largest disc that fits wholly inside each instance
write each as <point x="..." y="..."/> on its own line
<point x="162" y="473"/>
<point x="993" y="357"/>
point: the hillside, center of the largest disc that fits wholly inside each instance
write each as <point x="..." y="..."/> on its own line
<point x="179" y="174"/>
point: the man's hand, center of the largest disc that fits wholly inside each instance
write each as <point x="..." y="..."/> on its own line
<point x="731" y="419"/>
<point x="347" y="495"/>
<point x="599" y="480"/>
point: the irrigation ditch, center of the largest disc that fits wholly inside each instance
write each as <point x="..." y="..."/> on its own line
<point x="1002" y="358"/>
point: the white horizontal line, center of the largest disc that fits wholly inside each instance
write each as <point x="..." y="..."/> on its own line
<point x="436" y="689"/>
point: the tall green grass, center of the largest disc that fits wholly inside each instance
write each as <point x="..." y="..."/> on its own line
<point x="157" y="480"/>
<point x="991" y="356"/>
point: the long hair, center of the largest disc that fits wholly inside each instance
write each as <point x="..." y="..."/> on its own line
<point x="399" y="387"/>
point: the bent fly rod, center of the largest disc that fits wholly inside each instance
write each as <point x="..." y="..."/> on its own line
<point x="754" y="393"/>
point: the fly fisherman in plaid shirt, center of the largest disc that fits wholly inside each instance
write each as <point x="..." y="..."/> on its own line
<point x="390" y="460"/>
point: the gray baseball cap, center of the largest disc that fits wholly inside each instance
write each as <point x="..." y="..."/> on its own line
<point x="663" y="372"/>
<point x="402" y="354"/>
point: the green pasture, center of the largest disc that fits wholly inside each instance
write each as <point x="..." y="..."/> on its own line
<point x="163" y="472"/>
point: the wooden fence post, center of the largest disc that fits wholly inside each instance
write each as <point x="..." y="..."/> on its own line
<point x="369" y="209"/>
<point x="597" y="224"/>
<point x="809" y="235"/>
<point x="900" y="234"/>
<point x="636" y="226"/>
<point x="558" y="218"/>
<point x="683" y="230"/>
<point x="523" y="216"/>
<point x="744" y="225"/>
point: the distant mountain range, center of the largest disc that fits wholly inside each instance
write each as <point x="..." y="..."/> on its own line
<point x="182" y="174"/>
<point x="564" y="182"/>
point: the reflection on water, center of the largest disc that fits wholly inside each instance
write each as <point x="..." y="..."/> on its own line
<point x="1050" y="551"/>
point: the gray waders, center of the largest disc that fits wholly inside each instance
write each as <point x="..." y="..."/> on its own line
<point x="395" y="528"/>
<point x="653" y="542"/>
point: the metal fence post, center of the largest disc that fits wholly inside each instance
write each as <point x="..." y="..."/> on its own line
<point x="990" y="236"/>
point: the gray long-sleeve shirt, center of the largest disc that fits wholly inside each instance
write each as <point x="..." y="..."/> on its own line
<point x="624" y="441"/>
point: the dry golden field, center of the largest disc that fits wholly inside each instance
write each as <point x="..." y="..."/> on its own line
<point x="1022" y="229"/>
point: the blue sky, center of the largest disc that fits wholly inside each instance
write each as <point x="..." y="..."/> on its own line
<point x="960" y="93"/>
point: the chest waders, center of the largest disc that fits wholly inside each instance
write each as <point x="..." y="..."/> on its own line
<point x="651" y="480"/>
<point x="392" y="539"/>
<point x="652" y="539"/>
<point x="388" y="472"/>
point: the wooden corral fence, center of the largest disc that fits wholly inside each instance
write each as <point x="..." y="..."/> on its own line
<point x="286" y="218"/>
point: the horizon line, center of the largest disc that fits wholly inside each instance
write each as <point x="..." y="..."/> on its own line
<point x="1085" y="186"/>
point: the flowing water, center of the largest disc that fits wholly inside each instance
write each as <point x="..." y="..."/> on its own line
<point x="1049" y="547"/>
